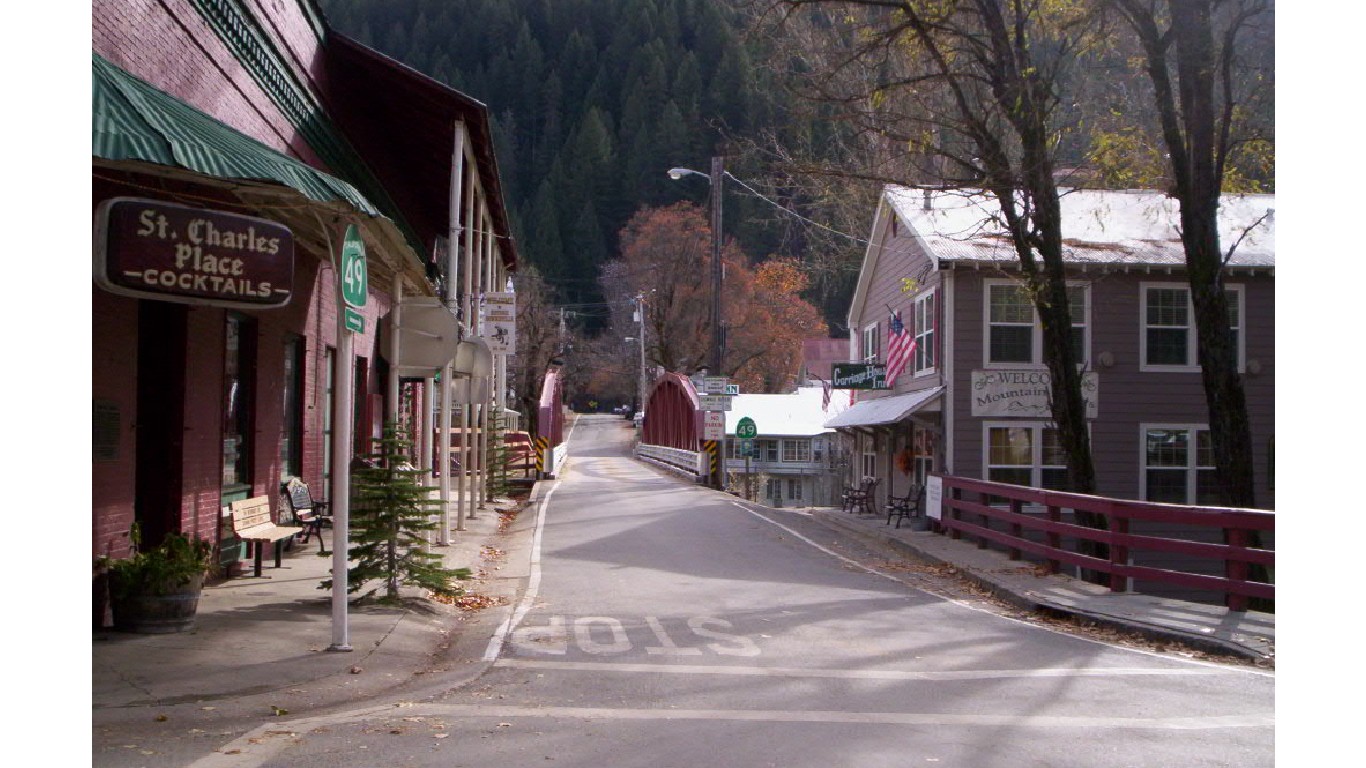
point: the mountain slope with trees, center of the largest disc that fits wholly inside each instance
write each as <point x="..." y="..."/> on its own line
<point x="593" y="101"/>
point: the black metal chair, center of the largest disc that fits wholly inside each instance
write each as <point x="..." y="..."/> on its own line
<point x="902" y="507"/>
<point x="860" y="499"/>
<point x="850" y="498"/>
<point x="309" y="512"/>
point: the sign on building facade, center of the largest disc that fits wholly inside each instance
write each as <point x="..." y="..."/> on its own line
<point x="149" y="249"/>
<point x="498" y="322"/>
<point x="1025" y="393"/>
<point x="858" y="376"/>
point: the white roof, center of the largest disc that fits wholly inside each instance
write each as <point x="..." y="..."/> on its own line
<point x="1137" y="227"/>
<point x="885" y="410"/>
<point x="798" y="414"/>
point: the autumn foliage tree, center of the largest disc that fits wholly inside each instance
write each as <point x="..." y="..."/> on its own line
<point x="767" y="329"/>
<point x="665" y="266"/>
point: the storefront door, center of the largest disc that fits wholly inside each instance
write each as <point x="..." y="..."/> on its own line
<point x="160" y="420"/>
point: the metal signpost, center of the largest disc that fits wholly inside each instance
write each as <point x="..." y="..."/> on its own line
<point x="745" y="429"/>
<point x="714" y="425"/>
<point x="714" y="402"/>
<point x="717" y="402"/>
<point x="354" y="292"/>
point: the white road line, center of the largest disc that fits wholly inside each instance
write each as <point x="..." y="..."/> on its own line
<point x="1024" y="720"/>
<point x="495" y="646"/>
<point x="842" y="674"/>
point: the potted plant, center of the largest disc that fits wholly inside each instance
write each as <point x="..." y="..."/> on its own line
<point x="157" y="591"/>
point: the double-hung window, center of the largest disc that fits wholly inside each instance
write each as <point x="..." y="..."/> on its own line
<point x="1178" y="464"/>
<point x="1014" y="333"/>
<point x="871" y="346"/>
<point x="768" y="450"/>
<point x="1028" y="454"/>
<point x="923" y="328"/>
<point x="1169" y="335"/>
<point x="797" y="450"/>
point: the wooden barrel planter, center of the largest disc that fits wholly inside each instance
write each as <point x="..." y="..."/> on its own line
<point x="170" y="610"/>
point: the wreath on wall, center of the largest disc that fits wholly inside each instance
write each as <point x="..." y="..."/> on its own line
<point x="905" y="461"/>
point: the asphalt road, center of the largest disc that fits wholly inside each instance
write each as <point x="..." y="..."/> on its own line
<point x="670" y="625"/>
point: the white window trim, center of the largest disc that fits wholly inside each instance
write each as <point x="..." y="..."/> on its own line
<point x="1192" y="468"/>
<point x="1236" y="297"/>
<point x="1036" y="343"/>
<point x="1036" y="460"/>
<point x="782" y="450"/>
<point x="916" y="335"/>
<point x="871" y="348"/>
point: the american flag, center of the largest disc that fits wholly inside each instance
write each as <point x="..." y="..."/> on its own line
<point x="900" y="348"/>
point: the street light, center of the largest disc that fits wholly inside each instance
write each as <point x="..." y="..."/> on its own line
<point x="716" y="180"/>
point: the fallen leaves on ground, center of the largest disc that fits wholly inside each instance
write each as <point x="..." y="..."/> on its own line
<point x="477" y="602"/>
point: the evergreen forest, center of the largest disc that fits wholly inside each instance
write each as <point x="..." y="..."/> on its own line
<point x="593" y="101"/>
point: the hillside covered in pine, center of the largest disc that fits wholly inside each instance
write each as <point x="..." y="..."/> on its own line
<point x="593" y="101"/>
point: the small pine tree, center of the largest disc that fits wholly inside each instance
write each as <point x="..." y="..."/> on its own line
<point x="499" y="456"/>
<point x="388" y="518"/>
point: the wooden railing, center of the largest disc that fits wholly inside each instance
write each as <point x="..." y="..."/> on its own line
<point x="970" y="507"/>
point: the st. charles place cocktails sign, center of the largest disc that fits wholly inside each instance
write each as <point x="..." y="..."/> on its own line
<point x="150" y="249"/>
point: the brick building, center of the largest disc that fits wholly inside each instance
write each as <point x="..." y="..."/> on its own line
<point x="232" y="138"/>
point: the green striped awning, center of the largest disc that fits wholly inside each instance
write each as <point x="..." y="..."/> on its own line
<point x="135" y="121"/>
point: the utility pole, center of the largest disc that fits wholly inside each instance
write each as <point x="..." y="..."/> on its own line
<point x="717" y="336"/>
<point x="640" y="317"/>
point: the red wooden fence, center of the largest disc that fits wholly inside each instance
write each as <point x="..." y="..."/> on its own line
<point x="961" y="515"/>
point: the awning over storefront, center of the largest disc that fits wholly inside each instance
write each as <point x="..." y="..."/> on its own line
<point x="134" y="121"/>
<point x="886" y="410"/>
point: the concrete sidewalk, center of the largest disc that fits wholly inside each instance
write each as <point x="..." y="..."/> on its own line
<point x="1211" y="628"/>
<point x="271" y="635"/>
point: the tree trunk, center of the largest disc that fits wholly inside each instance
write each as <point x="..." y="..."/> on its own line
<point x="1198" y="191"/>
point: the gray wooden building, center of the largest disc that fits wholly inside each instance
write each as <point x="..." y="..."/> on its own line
<point x="973" y="398"/>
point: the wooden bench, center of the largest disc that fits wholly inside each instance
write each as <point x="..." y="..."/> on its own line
<point x="252" y="523"/>
<point x="309" y="513"/>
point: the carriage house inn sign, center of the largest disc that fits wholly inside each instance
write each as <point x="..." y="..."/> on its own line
<point x="1025" y="393"/>
<point x="149" y="249"/>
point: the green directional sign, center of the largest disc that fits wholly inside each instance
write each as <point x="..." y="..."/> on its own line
<point x="354" y="280"/>
<point x="352" y="320"/>
<point x="745" y="429"/>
